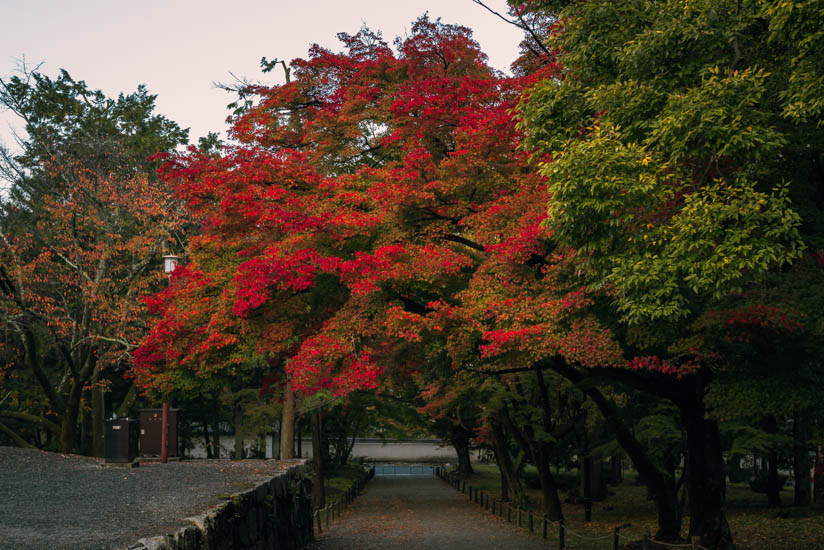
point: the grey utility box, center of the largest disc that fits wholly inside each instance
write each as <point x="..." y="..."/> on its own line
<point x="121" y="440"/>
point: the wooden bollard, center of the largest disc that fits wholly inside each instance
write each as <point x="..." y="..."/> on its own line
<point x="317" y="517"/>
<point x="695" y="541"/>
<point x="647" y="543"/>
<point x="509" y="512"/>
<point x="561" y="542"/>
<point x="327" y="516"/>
<point x="519" y="516"/>
<point x="531" y="523"/>
<point x="544" y="525"/>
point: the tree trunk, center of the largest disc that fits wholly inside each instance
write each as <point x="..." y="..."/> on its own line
<point x="801" y="460"/>
<point x="504" y="484"/>
<point x="661" y="485"/>
<point x="238" y="454"/>
<point x="69" y="425"/>
<point x="616" y="471"/>
<point x="773" y="485"/>
<point x="216" y="430"/>
<point x="707" y="483"/>
<point x="98" y="420"/>
<point x="509" y="477"/>
<point x="818" y="479"/>
<point x="542" y="454"/>
<point x="287" y="423"/>
<point x="318" y="490"/>
<point x="552" y="503"/>
<point x="85" y="445"/>
<point x="773" y="481"/>
<point x="128" y="401"/>
<point x="460" y="440"/>
<point x="299" y="430"/>
<point x="19" y="441"/>
<point x="207" y="443"/>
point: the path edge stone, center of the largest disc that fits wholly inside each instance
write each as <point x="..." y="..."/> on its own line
<point x="274" y="514"/>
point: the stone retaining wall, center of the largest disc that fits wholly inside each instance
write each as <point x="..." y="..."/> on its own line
<point x="275" y="515"/>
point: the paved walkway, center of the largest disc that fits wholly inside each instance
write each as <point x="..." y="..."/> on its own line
<point x="420" y="512"/>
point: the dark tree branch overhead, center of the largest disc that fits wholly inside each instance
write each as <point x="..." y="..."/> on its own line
<point x="660" y="384"/>
<point x="16" y="438"/>
<point x="32" y="419"/>
<point x="465" y="241"/>
<point x="521" y="24"/>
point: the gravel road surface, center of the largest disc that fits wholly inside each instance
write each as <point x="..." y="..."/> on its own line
<point x="420" y="512"/>
<point x="56" y="502"/>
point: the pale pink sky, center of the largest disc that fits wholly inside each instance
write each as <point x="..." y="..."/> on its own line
<point x="179" y="47"/>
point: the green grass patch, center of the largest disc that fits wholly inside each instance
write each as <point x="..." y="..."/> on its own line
<point x="343" y="479"/>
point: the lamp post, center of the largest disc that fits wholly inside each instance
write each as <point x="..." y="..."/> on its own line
<point x="169" y="265"/>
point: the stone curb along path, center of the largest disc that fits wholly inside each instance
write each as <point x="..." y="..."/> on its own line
<point x="276" y="514"/>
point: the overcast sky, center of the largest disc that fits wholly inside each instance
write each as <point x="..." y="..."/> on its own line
<point x="178" y="48"/>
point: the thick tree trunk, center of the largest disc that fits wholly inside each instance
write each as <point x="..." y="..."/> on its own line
<point x="460" y="440"/>
<point x="542" y="455"/>
<point x="318" y="490"/>
<point x="511" y="487"/>
<point x="801" y="460"/>
<point x="504" y="485"/>
<point x="707" y="482"/>
<point x="552" y="503"/>
<point x="69" y="422"/>
<point x="98" y="421"/>
<point x="287" y="423"/>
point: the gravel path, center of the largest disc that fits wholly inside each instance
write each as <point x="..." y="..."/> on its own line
<point x="56" y="502"/>
<point x="412" y="513"/>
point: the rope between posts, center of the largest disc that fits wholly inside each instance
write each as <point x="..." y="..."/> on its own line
<point x="582" y="537"/>
<point x="679" y="545"/>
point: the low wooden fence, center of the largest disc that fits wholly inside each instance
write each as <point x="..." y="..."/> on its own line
<point x="540" y="525"/>
<point x="335" y="509"/>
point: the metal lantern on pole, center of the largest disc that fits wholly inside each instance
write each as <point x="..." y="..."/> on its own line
<point x="169" y="264"/>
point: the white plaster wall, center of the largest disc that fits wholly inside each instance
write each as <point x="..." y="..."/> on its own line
<point x="372" y="449"/>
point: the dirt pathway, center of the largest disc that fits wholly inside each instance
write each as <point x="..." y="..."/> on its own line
<point x="420" y="512"/>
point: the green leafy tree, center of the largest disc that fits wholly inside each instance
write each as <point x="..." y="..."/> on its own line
<point x="682" y="148"/>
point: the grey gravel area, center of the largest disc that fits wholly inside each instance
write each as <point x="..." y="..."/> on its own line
<point x="412" y="513"/>
<point x="55" y="501"/>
